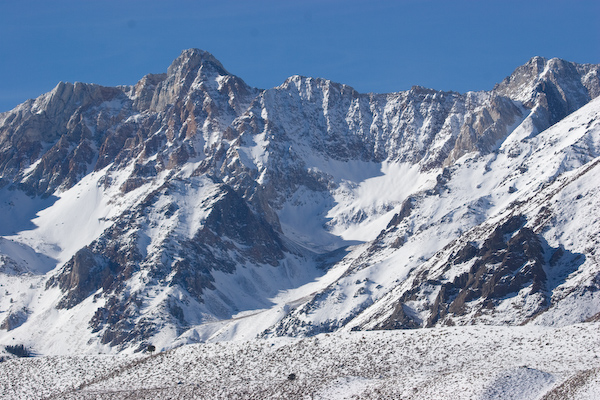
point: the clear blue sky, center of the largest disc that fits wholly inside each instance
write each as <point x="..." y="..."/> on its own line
<point x="374" y="46"/>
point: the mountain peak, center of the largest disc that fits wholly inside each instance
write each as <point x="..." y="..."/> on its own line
<point x="542" y="75"/>
<point x="194" y="69"/>
<point x="537" y="61"/>
<point x="191" y="59"/>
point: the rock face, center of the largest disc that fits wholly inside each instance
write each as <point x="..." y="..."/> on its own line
<point x="190" y="197"/>
<point x="558" y="87"/>
<point x="512" y="262"/>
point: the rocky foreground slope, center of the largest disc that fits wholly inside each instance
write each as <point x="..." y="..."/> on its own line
<point x="191" y="207"/>
<point x="474" y="362"/>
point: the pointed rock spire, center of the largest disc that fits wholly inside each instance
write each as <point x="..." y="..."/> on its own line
<point x="191" y="59"/>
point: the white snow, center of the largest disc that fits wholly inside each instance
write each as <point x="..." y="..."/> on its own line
<point x="379" y="197"/>
<point x="78" y="216"/>
<point x="480" y="362"/>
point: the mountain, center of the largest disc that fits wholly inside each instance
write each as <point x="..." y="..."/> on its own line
<point x="191" y="207"/>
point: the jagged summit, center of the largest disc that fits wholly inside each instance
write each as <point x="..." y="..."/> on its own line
<point x="194" y="70"/>
<point x="192" y="59"/>
<point x="301" y="80"/>
<point x="563" y="76"/>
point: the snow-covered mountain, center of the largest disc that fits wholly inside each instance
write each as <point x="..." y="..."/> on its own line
<point x="191" y="207"/>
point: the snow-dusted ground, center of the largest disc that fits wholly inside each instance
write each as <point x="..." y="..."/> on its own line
<point x="475" y="362"/>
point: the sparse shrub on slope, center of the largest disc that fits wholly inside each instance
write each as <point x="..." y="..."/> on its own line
<point x="18" y="350"/>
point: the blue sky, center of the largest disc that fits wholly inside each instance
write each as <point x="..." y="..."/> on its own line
<point x="374" y="46"/>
